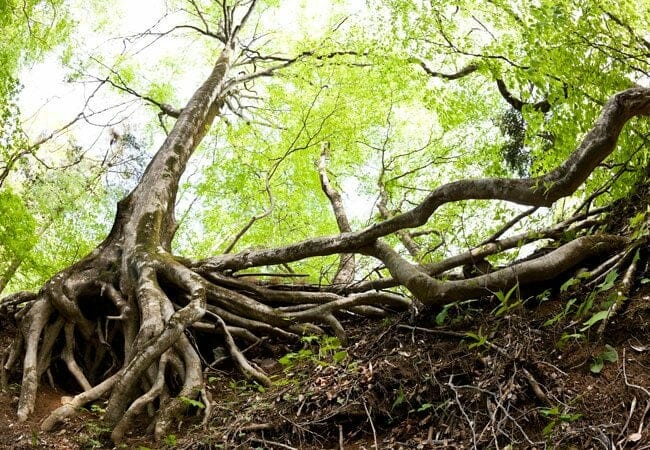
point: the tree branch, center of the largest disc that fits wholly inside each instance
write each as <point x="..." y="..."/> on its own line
<point x="346" y="269"/>
<point x="539" y="191"/>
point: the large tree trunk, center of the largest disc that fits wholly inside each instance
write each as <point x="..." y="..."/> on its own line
<point x="122" y="280"/>
<point x="123" y="310"/>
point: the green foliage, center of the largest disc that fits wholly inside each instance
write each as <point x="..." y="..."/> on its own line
<point x="425" y="407"/>
<point x="480" y="339"/>
<point x="444" y="312"/>
<point x="329" y="352"/>
<point x="608" y="355"/>
<point x="192" y="402"/>
<point x="43" y="229"/>
<point x="362" y="91"/>
<point x="557" y="415"/>
<point x="562" y="314"/>
<point x="399" y="399"/>
<point x="640" y="225"/>
<point x="95" y="408"/>
<point x="29" y="29"/>
<point x="170" y="440"/>
<point x="504" y="300"/>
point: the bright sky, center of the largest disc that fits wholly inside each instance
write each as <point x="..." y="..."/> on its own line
<point x="48" y="101"/>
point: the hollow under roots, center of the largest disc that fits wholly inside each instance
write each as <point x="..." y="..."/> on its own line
<point x="130" y="336"/>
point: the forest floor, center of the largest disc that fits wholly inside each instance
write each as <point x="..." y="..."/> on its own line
<point x="402" y="383"/>
<point x="537" y="371"/>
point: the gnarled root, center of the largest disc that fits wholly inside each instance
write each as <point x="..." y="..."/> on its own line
<point x="125" y="335"/>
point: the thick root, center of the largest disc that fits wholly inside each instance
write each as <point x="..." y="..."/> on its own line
<point x="145" y="362"/>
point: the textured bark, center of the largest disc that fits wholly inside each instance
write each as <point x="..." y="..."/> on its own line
<point x="345" y="271"/>
<point x="123" y="313"/>
<point x="431" y="291"/>
<point x="544" y="190"/>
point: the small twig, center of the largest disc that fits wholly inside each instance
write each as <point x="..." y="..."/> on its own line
<point x="470" y="423"/>
<point x="508" y="225"/>
<point x="372" y="425"/>
<point x="645" y="411"/>
<point x="257" y="427"/>
<point x="627" y="422"/>
<point x="455" y="334"/>
<point x="341" y="437"/>
<point x="535" y="386"/>
<point x="627" y="383"/>
<point x="553" y="366"/>
<point x="277" y="444"/>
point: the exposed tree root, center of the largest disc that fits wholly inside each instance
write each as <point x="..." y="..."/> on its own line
<point x="147" y="359"/>
<point x="138" y="360"/>
<point x="121" y="319"/>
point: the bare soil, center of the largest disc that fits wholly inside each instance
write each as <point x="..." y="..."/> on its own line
<point x="411" y="384"/>
<point x="481" y="378"/>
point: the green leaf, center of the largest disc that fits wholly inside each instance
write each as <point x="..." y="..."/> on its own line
<point x="601" y="315"/>
<point x="191" y="402"/>
<point x="339" y="356"/>
<point x="548" y="428"/>
<point x="424" y="407"/>
<point x="400" y="398"/>
<point x="610" y="354"/>
<point x="442" y="315"/>
<point x="597" y="365"/>
<point x="609" y="281"/>
<point x="568" y="283"/>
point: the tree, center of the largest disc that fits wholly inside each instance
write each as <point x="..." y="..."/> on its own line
<point x="121" y="316"/>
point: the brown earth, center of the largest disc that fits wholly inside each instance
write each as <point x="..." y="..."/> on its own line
<point x="484" y="377"/>
<point x="412" y="384"/>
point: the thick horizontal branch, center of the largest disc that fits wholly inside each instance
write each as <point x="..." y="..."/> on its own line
<point x="540" y="191"/>
<point x="435" y="292"/>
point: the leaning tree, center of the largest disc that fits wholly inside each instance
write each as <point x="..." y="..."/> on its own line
<point x="122" y="319"/>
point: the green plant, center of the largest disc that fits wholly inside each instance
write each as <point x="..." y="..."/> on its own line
<point x="95" y="408"/>
<point x="555" y="416"/>
<point x="191" y="402"/>
<point x="329" y="352"/>
<point x="586" y="306"/>
<point x="170" y="440"/>
<point x="246" y="386"/>
<point x="639" y="224"/>
<point x="480" y="339"/>
<point x="442" y="315"/>
<point x="568" y="336"/>
<point x="91" y="438"/>
<point x="562" y="314"/>
<point x="504" y="300"/>
<point x="425" y="407"/>
<point x="399" y="399"/>
<point x="609" y="354"/>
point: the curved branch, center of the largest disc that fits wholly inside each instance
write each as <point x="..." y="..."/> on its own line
<point x="539" y="191"/>
<point x="434" y="292"/>
<point x="542" y="105"/>
<point x="346" y="269"/>
<point x="467" y="70"/>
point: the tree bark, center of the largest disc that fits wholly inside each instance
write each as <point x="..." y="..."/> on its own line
<point x="123" y="311"/>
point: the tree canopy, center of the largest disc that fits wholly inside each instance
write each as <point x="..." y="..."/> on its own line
<point x="257" y="169"/>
